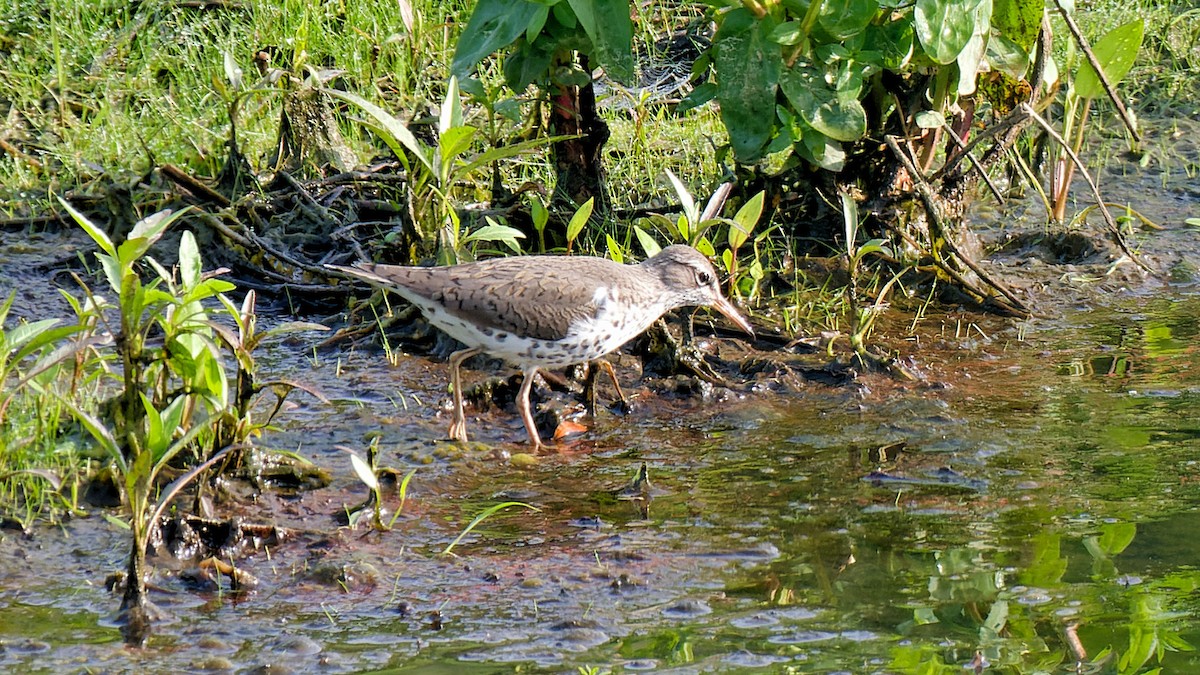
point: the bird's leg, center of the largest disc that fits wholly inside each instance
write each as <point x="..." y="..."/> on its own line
<point x="594" y="368"/>
<point x="523" y="408"/>
<point x="458" y="425"/>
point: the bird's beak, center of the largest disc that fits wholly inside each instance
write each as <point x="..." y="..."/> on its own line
<point x="726" y="307"/>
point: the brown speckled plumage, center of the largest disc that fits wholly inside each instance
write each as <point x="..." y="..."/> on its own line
<point x="549" y="311"/>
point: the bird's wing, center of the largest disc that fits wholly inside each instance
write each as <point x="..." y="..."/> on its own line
<point x="506" y="294"/>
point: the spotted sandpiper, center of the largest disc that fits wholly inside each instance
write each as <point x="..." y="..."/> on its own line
<point x="549" y="311"/>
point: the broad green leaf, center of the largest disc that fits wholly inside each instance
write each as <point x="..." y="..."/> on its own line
<point x="538" y="212"/>
<point x="1116" y="537"/>
<point x="747" y="65"/>
<point x="930" y="119"/>
<point x="494" y="231"/>
<point x="528" y="64"/>
<point x="607" y="24"/>
<point x="820" y="105"/>
<point x="893" y="40"/>
<point x="1115" y="52"/>
<point x="845" y="18"/>
<point x="579" y="219"/>
<point x="944" y="27"/>
<point x="787" y="33"/>
<point x="45" y="339"/>
<point x="494" y="25"/>
<point x="972" y="53"/>
<point x="537" y="22"/>
<point x="155" y="442"/>
<point x="823" y="151"/>
<point x="1018" y="21"/>
<point x="112" y="271"/>
<point x="697" y="97"/>
<point x="1008" y="57"/>
<point x="841" y="120"/>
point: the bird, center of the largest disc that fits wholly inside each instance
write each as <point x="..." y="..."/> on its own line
<point x="548" y="311"/>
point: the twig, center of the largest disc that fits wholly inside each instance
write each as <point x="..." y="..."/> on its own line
<point x="1091" y="57"/>
<point x="187" y="182"/>
<point x="1113" y="229"/>
<point x="926" y="194"/>
<point x="974" y="161"/>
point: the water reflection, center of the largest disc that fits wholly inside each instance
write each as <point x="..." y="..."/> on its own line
<point x="1038" y="514"/>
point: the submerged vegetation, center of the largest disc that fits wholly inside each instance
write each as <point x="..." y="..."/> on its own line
<point x="262" y="140"/>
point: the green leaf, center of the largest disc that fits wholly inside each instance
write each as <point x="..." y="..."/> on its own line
<point x="944" y="27"/>
<point x="893" y="40"/>
<point x="506" y="151"/>
<point x="451" y="116"/>
<point x="614" y="249"/>
<point x="1008" y="57"/>
<point x="1116" y="537"/>
<point x="579" y="219"/>
<point x="145" y="233"/>
<point x="745" y="220"/>
<point x="841" y="120"/>
<point x="972" y="53"/>
<point x="454" y="142"/>
<point x="189" y="260"/>
<point x="392" y="131"/>
<point x="529" y="63"/>
<point x="494" y="25"/>
<point x="690" y="210"/>
<point x="1115" y="52"/>
<point x="845" y="18"/>
<point x="363" y="471"/>
<point x="929" y="119"/>
<point x="487" y="513"/>
<point x="787" y="33"/>
<point x="494" y="231"/>
<point x="649" y="245"/>
<point x="821" y="106"/>
<point x="1018" y="21"/>
<point x="747" y="65"/>
<point x="822" y="151"/>
<point x="15" y="338"/>
<point x="698" y="97"/>
<point x="607" y="24"/>
<point x="155" y="442"/>
<point x="92" y="230"/>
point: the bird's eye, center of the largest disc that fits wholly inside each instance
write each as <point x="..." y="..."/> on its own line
<point x="704" y="278"/>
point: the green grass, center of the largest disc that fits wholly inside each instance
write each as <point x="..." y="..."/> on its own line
<point x="44" y="465"/>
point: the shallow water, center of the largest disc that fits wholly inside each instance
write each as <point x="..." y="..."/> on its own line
<point x="1043" y="509"/>
<point x="1040" y="515"/>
